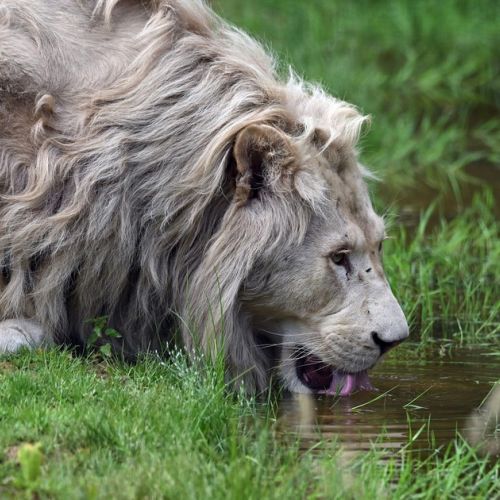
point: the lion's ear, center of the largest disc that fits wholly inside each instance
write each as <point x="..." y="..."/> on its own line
<point x="263" y="156"/>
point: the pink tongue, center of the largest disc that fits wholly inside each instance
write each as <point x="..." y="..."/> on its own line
<point x="345" y="385"/>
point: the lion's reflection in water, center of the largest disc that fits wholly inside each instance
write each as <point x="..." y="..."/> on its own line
<point x="483" y="429"/>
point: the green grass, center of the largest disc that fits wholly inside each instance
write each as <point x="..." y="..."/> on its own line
<point x="106" y="430"/>
<point x="428" y="74"/>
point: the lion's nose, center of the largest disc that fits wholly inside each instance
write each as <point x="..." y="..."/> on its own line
<point x="383" y="344"/>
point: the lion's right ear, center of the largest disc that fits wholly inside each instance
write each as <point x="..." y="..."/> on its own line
<point x="264" y="155"/>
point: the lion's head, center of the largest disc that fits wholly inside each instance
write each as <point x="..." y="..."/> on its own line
<point x="302" y="236"/>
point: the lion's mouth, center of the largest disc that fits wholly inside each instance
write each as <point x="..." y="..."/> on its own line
<point x="326" y="379"/>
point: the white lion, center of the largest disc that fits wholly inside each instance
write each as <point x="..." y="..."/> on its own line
<point x="155" y="170"/>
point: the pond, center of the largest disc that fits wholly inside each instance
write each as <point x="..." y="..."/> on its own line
<point x="421" y="402"/>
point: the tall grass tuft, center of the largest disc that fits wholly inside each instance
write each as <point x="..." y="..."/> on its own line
<point x="447" y="276"/>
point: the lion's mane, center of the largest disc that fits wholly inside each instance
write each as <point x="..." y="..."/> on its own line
<point x="117" y="178"/>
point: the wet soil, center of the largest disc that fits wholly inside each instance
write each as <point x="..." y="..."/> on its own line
<point x="420" y="404"/>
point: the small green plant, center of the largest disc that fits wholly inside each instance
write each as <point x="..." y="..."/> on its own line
<point x="30" y="458"/>
<point x="102" y="335"/>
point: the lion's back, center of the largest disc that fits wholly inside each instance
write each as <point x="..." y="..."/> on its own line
<point x="110" y="128"/>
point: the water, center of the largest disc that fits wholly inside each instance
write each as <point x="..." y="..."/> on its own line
<point x="411" y="201"/>
<point x="421" y="403"/>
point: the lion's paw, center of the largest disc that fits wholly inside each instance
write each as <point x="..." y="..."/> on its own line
<point x="16" y="334"/>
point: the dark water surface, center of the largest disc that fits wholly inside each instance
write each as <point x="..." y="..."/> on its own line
<point x="421" y="402"/>
<point x="411" y="201"/>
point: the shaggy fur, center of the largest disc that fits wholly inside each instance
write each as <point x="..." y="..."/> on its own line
<point x="126" y="171"/>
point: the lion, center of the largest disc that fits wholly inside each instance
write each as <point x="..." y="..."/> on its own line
<point x="155" y="170"/>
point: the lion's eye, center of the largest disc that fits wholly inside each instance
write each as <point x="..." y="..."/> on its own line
<point x="338" y="258"/>
<point x="341" y="259"/>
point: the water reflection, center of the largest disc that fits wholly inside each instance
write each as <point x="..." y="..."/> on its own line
<point x="420" y="405"/>
<point x="483" y="426"/>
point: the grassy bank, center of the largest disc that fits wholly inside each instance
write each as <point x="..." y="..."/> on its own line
<point x="103" y="430"/>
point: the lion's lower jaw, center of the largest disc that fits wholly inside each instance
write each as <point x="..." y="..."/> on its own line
<point x="291" y="381"/>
